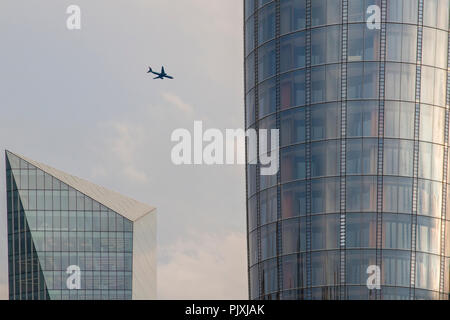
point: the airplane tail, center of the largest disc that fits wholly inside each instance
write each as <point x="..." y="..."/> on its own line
<point x="149" y="70"/>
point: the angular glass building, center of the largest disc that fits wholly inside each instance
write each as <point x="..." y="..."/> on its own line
<point x="360" y="92"/>
<point x="57" y="221"/>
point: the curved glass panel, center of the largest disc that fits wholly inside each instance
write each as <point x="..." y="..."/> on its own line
<point x="293" y="51"/>
<point x="266" y="23"/>
<point x="293" y="199"/>
<point x="293" y="15"/>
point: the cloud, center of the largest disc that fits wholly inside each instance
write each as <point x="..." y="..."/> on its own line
<point x="123" y="141"/>
<point x="204" y="266"/>
<point x="178" y="102"/>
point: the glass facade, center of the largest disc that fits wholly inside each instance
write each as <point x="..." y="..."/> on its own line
<point x="363" y="115"/>
<point x="52" y="226"/>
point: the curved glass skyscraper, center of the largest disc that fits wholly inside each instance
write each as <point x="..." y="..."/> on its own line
<point x="360" y="92"/>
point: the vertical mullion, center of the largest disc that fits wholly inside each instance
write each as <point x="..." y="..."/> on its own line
<point x="246" y="160"/>
<point x="278" y="104"/>
<point x="444" y="182"/>
<point x="308" y="148"/>
<point x="257" y="195"/>
<point x="416" y="150"/>
<point x="343" y="147"/>
<point x="380" y="155"/>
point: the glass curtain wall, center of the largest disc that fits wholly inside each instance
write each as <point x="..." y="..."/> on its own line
<point x="363" y="119"/>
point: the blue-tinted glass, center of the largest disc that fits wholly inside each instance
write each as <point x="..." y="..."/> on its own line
<point x="292" y="50"/>
<point x="292" y="126"/>
<point x="293" y="15"/>
<point x="292" y="89"/>
<point x="266" y="23"/>
<point x="267" y="97"/>
<point x="293" y="163"/>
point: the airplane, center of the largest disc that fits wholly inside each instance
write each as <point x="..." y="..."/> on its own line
<point x="161" y="75"/>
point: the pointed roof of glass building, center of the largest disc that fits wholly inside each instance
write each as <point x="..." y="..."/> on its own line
<point x="127" y="207"/>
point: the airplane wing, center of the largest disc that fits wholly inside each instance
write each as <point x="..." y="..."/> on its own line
<point x="158" y="77"/>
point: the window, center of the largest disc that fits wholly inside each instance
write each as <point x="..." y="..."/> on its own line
<point x="293" y="163"/>
<point x="268" y="241"/>
<point x="294" y="271"/>
<point x="325" y="268"/>
<point x="325" y="45"/>
<point x="325" y="158"/>
<point x="398" y="157"/>
<point x="356" y="11"/>
<point x="401" y="43"/>
<point x="268" y="205"/>
<point x="396" y="268"/>
<point x="361" y="230"/>
<point x="357" y="262"/>
<point x="325" y="12"/>
<point x="431" y="157"/>
<point x="355" y="42"/>
<point x="293" y="200"/>
<point x="250" y="107"/>
<point x="363" y="44"/>
<point x="266" y="61"/>
<point x="362" y="118"/>
<point x="325" y="195"/>
<point x="249" y="35"/>
<point x="429" y="46"/>
<point x="399" y="120"/>
<point x="362" y="80"/>
<point x="402" y="11"/>
<point x="433" y="84"/>
<point x="397" y="194"/>
<point x="292" y="89"/>
<point x="249" y="8"/>
<point x="362" y="156"/>
<point x="429" y="196"/>
<point x="325" y="83"/>
<point x="254" y="282"/>
<point x="325" y="121"/>
<point x="266" y="23"/>
<point x="252" y="213"/>
<point x="292" y="126"/>
<point x="433" y="120"/>
<point x="293" y="15"/>
<point x="253" y="244"/>
<point x="293" y="235"/>
<point x="428" y="234"/>
<point x="427" y="271"/>
<point x="250" y="71"/>
<point x="430" y="12"/>
<point x="269" y="273"/>
<point x="325" y="232"/>
<point x="267" y="97"/>
<point x="397" y="231"/>
<point x="361" y="193"/>
<point x="292" y="48"/>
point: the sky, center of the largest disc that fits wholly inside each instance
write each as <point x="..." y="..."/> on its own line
<point x="82" y="102"/>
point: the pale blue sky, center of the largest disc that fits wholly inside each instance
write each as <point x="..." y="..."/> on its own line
<point x="81" y="101"/>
